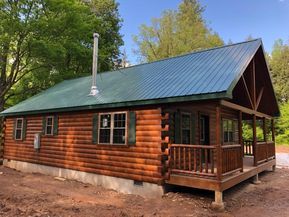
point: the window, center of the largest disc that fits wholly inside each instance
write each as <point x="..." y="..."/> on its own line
<point x="112" y="128"/>
<point x="19" y="129"/>
<point x="105" y="127"/>
<point x="202" y="129"/>
<point x="119" y="128"/>
<point x="230" y="131"/>
<point x="186" y="128"/>
<point x="49" y="126"/>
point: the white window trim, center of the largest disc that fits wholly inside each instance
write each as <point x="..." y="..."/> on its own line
<point x="52" y="125"/>
<point x="112" y="127"/>
<point x="16" y="128"/>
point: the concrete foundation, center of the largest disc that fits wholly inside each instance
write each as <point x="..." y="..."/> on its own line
<point x="126" y="186"/>
<point x="218" y="203"/>
<point x="256" y="180"/>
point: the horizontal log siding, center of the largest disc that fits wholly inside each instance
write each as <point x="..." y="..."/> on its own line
<point x="72" y="148"/>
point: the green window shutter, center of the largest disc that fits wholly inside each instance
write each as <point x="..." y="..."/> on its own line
<point x="193" y="128"/>
<point x="177" y="127"/>
<point x="43" y="124"/>
<point x="14" y="128"/>
<point x="24" y="128"/>
<point x="95" y="128"/>
<point x="55" y="125"/>
<point x="132" y="128"/>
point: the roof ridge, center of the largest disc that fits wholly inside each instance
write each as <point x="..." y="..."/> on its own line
<point x="168" y="58"/>
<point x="186" y="54"/>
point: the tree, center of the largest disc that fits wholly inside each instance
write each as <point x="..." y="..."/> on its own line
<point x="45" y="41"/>
<point x="176" y="32"/>
<point x="282" y="125"/>
<point x="279" y="67"/>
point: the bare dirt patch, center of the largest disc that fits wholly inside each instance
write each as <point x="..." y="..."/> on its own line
<point x="37" y="195"/>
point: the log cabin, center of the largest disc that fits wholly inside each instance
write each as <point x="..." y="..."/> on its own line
<point x="177" y="121"/>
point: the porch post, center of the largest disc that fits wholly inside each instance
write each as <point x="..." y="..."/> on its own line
<point x="265" y="136"/>
<point x="241" y="138"/>
<point x="218" y="143"/>
<point x="254" y="140"/>
<point x="218" y="203"/>
<point x="273" y="130"/>
<point x="264" y="129"/>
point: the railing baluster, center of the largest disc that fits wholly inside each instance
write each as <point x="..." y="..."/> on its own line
<point x="201" y="166"/>
<point x="175" y="157"/>
<point x="180" y="158"/>
<point x="195" y="160"/>
<point x="206" y="159"/>
<point x="190" y="159"/>
<point x="184" y="152"/>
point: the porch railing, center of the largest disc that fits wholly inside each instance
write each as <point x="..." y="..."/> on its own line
<point x="198" y="160"/>
<point x="265" y="151"/>
<point x="201" y="160"/>
<point x="232" y="159"/>
<point x="248" y="147"/>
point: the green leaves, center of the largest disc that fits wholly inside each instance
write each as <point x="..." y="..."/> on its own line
<point x="43" y="42"/>
<point x="176" y="32"/>
<point x="282" y="125"/>
<point x="279" y="65"/>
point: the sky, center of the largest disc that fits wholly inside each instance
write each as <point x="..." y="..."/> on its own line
<point x="233" y="20"/>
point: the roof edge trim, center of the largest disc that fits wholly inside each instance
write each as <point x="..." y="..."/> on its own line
<point x="235" y="81"/>
<point x="209" y="96"/>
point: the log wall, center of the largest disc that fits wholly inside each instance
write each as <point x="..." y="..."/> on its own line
<point x="72" y="148"/>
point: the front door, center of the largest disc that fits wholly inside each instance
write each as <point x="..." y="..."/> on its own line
<point x="204" y="130"/>
<point x="205" y="136"/>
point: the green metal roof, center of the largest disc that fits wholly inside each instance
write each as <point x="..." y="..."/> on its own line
<point x="206" y="74"/>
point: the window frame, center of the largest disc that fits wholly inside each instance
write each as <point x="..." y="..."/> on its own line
<point x="234" y="130"/>
<point x="52" y="125"/>
<point x="190" y="127"/>
<point x="21" y="129"/>
<point x="112" y="128"/>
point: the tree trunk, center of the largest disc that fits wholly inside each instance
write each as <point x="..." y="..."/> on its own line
<point x="1" y="130"/>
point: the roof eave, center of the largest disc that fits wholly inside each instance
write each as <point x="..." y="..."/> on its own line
<point x="209" y="96"/>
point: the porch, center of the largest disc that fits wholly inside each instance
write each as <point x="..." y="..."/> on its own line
<point x="226" y="162"/>
<point x="198" y="166"/>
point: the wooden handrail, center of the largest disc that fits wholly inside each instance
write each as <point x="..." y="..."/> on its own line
<point x="231" y="146"/>
<point x="193" y="146"/>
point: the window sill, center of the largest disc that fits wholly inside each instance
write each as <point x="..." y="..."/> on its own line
<point x="113" y="145"/>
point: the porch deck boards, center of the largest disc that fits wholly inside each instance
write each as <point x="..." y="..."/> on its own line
<point x="249" y="170"/>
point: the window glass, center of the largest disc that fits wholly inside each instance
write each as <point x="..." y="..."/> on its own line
<point x="19" y="129"/>
<point x="119" y="128"/>
<point x="104" y="134"/>
<point x="225" y="130"/>
<point x="112" y="128"/>
<point x="49" y="126"/>
<point x="186" y="128"/>
<point x="230" y="131"/>
<point x="236" y="131"/>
